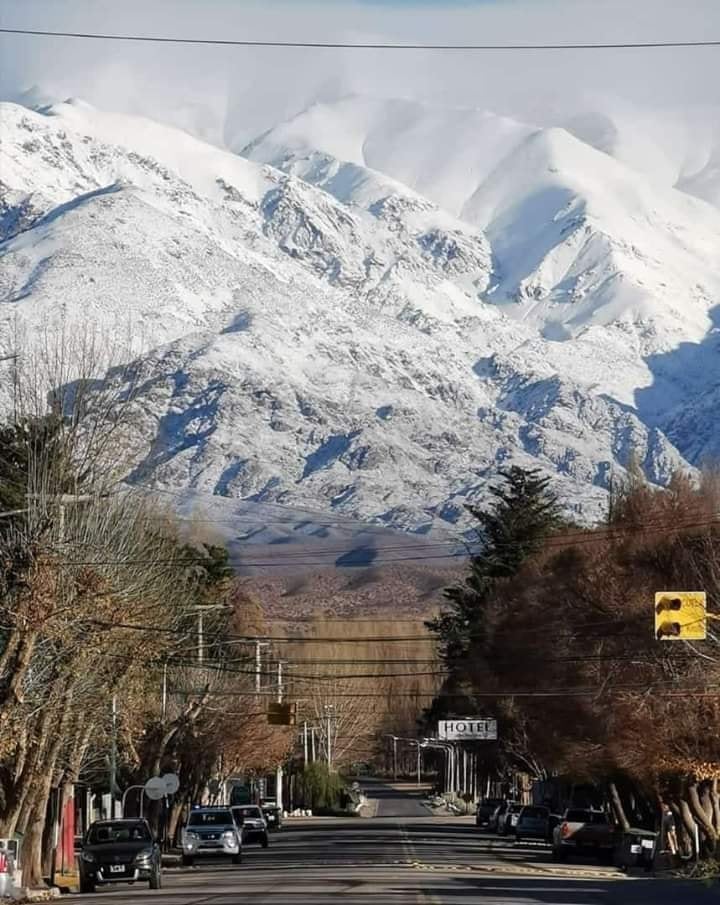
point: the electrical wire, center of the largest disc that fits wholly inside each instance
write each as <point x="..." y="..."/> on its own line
<point x="596" y="691"/>
<point x="343" y="45"/>
<point x="553" y="542"/>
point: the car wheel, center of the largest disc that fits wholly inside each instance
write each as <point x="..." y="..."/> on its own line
<point x="237" y="859"/>
<point x="265" y="841"/>
<point x="156" y="879"/>
<point x="187" y="860"/>
<point x="86" y="886"/>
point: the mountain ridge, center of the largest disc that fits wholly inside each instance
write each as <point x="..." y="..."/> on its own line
<point x="319" y="334"/>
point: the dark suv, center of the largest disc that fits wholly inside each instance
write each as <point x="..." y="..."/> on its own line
<point x="119" y="851"/>
<point x="485" y="809"/>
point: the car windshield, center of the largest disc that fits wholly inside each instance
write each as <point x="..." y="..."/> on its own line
<point x="249" y="812"/>
<point x="535" y="812"/>
<point x="108" y="833"/>
<point x="210" y="818"/>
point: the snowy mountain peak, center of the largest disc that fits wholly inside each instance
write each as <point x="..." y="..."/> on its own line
<point x="377" y="307"/>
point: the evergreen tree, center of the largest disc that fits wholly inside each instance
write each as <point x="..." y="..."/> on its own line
<point x="523" y="513"/>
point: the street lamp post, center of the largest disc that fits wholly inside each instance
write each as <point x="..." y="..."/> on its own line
<point x="414" y="741"/>
<point x="450" y="763"/>
<point x="395" y="765"/>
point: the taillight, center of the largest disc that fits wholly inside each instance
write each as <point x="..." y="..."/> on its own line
<point x="565" y="829"/>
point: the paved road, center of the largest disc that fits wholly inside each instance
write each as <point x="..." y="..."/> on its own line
<point x="400" y="858"/>
<point x="396" y="800"/>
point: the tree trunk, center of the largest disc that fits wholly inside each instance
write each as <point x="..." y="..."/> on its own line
<point x="701" y="816"/>
<point x="687" y="821"/>
<point x="175" y="815"/>
<point x="618" y="807"/>
<point x="715" y="799"/>
<point x="32" y="846"/>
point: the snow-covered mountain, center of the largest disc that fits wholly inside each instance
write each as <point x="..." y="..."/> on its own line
<point x="374" y="306"/>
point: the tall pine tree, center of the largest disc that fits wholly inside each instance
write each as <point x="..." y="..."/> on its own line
<point x="524" y="511"/>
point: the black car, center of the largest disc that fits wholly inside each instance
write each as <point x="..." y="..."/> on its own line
<point x="273" y="814"/>
<point x="119" y="851"/>
<point x="485" y="809"/>
<point x="252" y="820"/>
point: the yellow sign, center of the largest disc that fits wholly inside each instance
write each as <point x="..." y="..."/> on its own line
<point x="680" y="616"/>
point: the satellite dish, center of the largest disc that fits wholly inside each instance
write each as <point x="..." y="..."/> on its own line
<point x="155" y="788"/>
<point x="172" y="783"/>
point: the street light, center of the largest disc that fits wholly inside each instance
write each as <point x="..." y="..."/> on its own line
<point x="450" y="752"/>
<point x="414" y="741"/>
<point x="395" y="741"/>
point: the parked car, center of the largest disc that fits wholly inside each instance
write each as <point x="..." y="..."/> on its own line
<point x="254" y="826"/>
<point x="119" y="851"/>
<point x="508" y="821"/>
<point x="533" y="823"/>
<point x="272" y="814"/>
<point x="583" y="830"/>
<point x="497" y="816"/>
<point x="211" y="832"/>
<point x="485" y="810"/>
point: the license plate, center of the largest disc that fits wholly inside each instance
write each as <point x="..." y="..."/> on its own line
<point x="635" y="849"/>
<point x="117" y="868"/>
<point x="647" y="843"/>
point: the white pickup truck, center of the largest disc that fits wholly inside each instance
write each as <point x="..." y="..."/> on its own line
<point x="584" y="831"/>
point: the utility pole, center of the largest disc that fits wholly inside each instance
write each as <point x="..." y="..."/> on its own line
<point x="201" y="609"/>
<point x="164" y="691"/>
<point x="312" y="740"/>
<point x="113" y="757"/>
<point x="328" y="715"/>
<point x="258" y="663"/>
<point x="279" y="771"/>
<point x="305" y="743"/>
<point x="395" y="761"/>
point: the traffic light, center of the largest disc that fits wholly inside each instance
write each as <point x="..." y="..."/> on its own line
<point x="282" y="714"/>
<point x="680" y="616"/>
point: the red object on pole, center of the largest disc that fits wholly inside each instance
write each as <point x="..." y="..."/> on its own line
<point x="66" y="841"/>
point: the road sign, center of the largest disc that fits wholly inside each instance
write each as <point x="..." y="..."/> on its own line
<point x="468" y="728"/>
<point x="172" y="783"/>
<point x="680" y="615"/>
<point x="155" y="788"/>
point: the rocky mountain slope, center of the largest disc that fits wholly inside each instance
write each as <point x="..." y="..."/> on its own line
<point x="364" y="319"/>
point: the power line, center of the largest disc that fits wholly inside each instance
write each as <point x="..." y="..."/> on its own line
<point x="552" y="542"/>
<point x="344" y="45"/>
<point x="594" y="691"/>
<point x="238" y="639"/>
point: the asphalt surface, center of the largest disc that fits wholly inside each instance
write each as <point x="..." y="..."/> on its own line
<point x="403" y="855"/>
